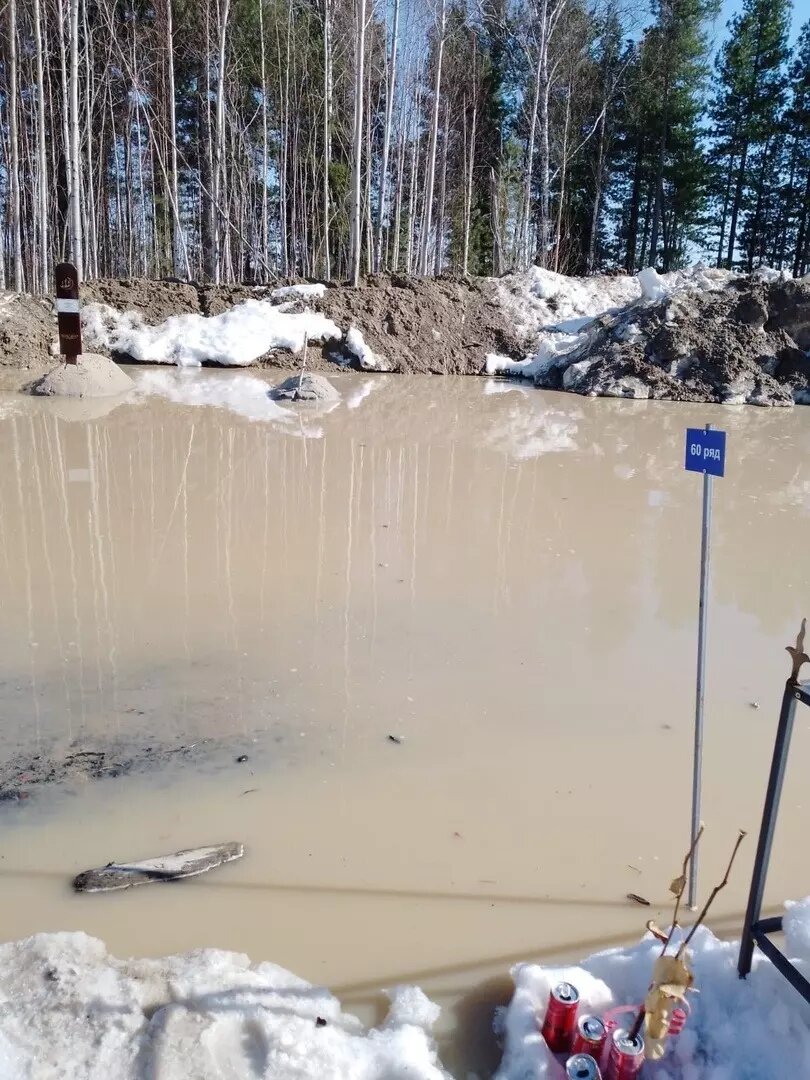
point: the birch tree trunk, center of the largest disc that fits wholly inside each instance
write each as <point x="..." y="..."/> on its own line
<point x="389" y="108"/>
<point x="526" y="213"/>
<point x="14" y="141"/>
<point x="327" y="144"/>
<point x="469" y="192"/>
<point x="42" y="160"/>
<point x="356" y="221"/>
<point x="424" y="259"/>
<point x="75" y="144"/>
<point x="223" y="12"/>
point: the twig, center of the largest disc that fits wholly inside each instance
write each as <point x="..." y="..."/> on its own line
<point x="679" y="895"/>
<point x="714" y="893"/>
<point x="639" y="1020"/>
<point x="303" y="369"/>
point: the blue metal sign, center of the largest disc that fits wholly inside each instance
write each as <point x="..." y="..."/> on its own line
<point x="706" y="451"/>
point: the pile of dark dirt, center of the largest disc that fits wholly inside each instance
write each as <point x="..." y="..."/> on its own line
<point x="741" y="344"/>
<point x="440" y="326"/>
<point x="27" y="332"/>
<point x="156" y="301"/>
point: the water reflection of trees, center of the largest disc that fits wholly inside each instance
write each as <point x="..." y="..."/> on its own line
<point x="202" y="556"/>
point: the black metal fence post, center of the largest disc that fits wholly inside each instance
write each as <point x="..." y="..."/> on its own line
<point x="769" y="815"/>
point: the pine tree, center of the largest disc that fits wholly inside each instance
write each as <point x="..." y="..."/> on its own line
<point x="747" y="117"/>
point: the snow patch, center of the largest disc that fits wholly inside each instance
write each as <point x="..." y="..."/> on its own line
<point x="752" y="1029"/>
<point x="236" y="338"/>
<point x="304" y="292"/>
<point x="368" y="360"/>
<point x="70" y="1011"/>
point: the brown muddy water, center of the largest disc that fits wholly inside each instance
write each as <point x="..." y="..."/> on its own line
<point x="503" y="579"/>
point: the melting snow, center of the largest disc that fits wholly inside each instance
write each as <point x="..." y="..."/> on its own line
<point x="556" y="311"/>
<point x="70" y="1011"/>
<point x="237" y="337"/>
<point x="753" y="1029"/>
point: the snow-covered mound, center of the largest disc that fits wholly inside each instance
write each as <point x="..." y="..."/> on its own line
<point x="694" y="335"/>
<point x="237" y="337"/>
<point x="752" y="1029"/>
<point x="70" y="1011"/>
<point x="558" y="311"/>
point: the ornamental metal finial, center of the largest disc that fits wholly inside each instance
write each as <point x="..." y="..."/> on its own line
<point x="799" y="655"/>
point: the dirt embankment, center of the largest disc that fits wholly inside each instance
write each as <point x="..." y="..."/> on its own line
<point x="443" y="326"/>
<point x="741" y="344"/>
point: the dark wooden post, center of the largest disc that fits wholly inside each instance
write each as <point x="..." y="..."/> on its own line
<point x="67" y="311"/>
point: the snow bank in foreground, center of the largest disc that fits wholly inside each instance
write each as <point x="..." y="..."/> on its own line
<point x="557" y="311"/>
<point x="73" y="1012"/>
<point x="237" y="337"/>
<point x="757" y="1029"/>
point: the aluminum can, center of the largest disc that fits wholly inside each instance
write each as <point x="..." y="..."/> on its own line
<point x="590" y="1037"/>
<point x="626" y="1056"/>
<point x="561" y="1018"/>
<point x="582" y="1067"/>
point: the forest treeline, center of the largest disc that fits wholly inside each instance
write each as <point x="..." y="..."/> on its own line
<point x="229" y="140"/>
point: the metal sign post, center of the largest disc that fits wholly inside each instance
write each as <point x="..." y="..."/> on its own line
<point x="67" y="312"/>
<point x="705" y="453"/>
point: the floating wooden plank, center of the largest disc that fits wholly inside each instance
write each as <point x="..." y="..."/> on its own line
<point x="182" y="864"/>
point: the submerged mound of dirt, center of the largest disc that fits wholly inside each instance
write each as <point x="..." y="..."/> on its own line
<point x="740" y="344"/>
<point x="305" y="387"/>
<point x="91" y="376"/>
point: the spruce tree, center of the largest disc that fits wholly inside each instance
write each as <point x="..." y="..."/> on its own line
<point x="747" y="114"/>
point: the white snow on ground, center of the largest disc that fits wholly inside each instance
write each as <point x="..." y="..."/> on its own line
<point x="753" y="1029"/>
<point x="70" y="1011"/>
<point x="369" y="361"/>
<point x="237" y="337"/>
<point x="556" y="311"/>
<point x="304" y="292"/>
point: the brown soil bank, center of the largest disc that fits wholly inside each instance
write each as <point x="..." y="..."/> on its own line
<point x="742" y="344"/>
<point x="438" y="326"/>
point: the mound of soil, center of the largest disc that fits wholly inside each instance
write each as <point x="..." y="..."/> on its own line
<point x="91" y="376"/>
<point x="437" y="326"/>
<point x="742" y="344"/>
<point x="27" y="332"/>
<point x="156" y="301"/>
<point x="441" y="326"/>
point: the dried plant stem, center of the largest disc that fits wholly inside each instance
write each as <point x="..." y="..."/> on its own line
<point x="679" y="896"/>
<point x="639" y="1020"/>
<point x="712" y="895"/>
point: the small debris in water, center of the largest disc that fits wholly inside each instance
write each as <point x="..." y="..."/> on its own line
<point x="320" y="1022"/>
<point x="182" y="864"/>
<point x="241" y="759"/>
<point x="396" y="739"/>
<point x="638" y="899"/>
<point x="250" y="791"/>
<point x="458" y="835"/>
<point x="754" y="704"/>
<point x="631" y="867"/>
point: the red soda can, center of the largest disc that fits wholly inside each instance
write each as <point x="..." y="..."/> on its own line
<point x="589" y="1037"/>
<point x="626" y="1056"/>
<point x="582" y="1067"/>
<point x="561" y="1017"/>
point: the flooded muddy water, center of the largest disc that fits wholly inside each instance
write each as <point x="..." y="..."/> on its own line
<point x="504" y="580"/>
